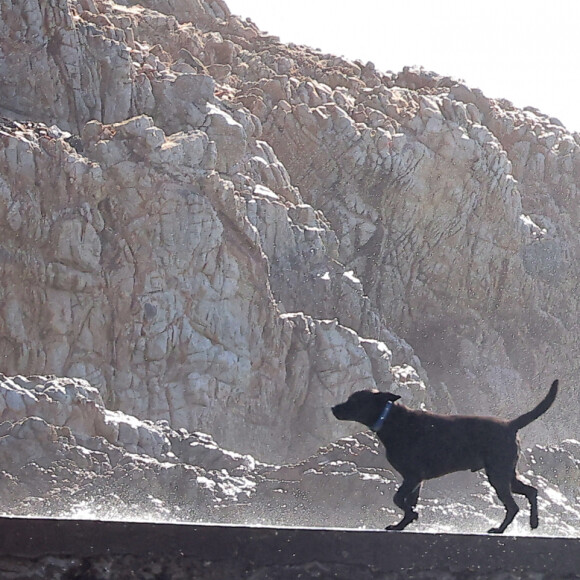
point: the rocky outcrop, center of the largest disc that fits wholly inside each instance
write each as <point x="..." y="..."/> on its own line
<point x="160" y="294"/>
<point x="432" y="204"/>
<point x="230" y="235"/>
<point x="167" y="257"/>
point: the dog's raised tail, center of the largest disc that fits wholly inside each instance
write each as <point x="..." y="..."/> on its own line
<point x="532" y="415"/>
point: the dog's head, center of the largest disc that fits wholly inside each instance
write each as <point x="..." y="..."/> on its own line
<point x="363" y="407"/>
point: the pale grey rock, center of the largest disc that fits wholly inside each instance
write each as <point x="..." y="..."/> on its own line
<point x="229" y="137"/>
<point x="157" y="288"/>
<point x="231" y="235"/>
<point x="156" y="282"/>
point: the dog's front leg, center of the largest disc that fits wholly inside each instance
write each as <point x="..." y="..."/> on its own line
<point x="406" y="498"/>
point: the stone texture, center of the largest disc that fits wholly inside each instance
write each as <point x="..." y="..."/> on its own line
<point x="166" y="261"/>
<point x="229" y="234"/>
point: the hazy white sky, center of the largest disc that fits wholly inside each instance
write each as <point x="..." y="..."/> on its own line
<point x="524" y="51"/>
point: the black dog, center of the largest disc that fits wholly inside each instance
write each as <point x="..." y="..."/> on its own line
<point x="422" y="445"/>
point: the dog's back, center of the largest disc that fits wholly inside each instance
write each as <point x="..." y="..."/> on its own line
<point x="430" y="445"/>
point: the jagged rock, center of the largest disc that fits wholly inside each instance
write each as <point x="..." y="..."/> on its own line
<point x="231" y="234"/>
<point x="166" y="284"/>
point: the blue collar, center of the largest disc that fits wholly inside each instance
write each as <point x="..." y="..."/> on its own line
<point x="381" y="420"/>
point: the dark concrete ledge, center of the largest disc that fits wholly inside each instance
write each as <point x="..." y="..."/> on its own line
<point x="50" y="548"/>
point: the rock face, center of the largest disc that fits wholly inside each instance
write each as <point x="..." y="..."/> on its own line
<point x="230" y="235"/>
<point x="156" y="245"/>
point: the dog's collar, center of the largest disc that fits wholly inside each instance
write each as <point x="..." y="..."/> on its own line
<point x="383" y="417"/>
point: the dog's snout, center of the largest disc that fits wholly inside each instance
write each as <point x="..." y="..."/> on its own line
<point x="338" y="411"/>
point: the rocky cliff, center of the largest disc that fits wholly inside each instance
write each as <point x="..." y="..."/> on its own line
<point x="230" y="234"/>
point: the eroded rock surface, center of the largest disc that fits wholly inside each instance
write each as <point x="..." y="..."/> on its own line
<point x="167" y="256"/>
<point x="230" y="235"/>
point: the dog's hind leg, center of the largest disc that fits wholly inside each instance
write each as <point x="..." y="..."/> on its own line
<point x="519" y="487"/>
<point x="406" y="498"/>
<point x="502" y="486"/>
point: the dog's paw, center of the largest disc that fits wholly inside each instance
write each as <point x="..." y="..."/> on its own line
<point x="495" y="531"/>
<point x="409" y="518"/>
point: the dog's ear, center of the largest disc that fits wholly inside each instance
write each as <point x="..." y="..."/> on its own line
<point x="386" y="397"/>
